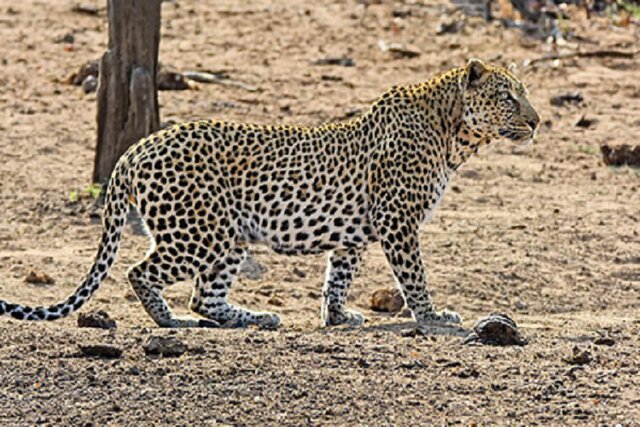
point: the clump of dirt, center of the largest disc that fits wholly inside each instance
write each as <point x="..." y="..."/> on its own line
<point x="101" y="350"/>
<point x="563" y="99"/>
<point x="387" y="300"/>
<point x="579" y="356"/>
<point x="164" y="346"/>
<point x="37" y="277"/>
<point x="621" y="155"/>
<point x="98" y="319"/>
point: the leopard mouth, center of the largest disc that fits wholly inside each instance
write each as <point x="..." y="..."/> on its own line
<point x="519" y="135"/>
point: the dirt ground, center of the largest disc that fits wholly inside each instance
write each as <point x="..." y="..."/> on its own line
<point x="545" y="233"/>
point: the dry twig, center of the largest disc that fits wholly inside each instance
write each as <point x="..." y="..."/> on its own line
<point x="606" y="53"/>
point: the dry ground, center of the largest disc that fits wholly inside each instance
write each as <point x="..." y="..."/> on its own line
<point x="546" y="233"/>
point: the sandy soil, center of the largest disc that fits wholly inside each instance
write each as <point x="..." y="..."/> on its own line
<point x="545" y="233"/>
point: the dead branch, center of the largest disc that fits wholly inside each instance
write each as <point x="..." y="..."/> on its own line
<point x="606" y="53"/>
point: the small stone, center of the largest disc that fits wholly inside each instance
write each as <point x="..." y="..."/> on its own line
<point x="468" y="373"/>
<point x="620" y="155"/>
<point x="401" y="12"/>
<point x="99" y="319"/>
<point x="566" y="98"/>
<point x="586" y="122"/>
<point x="68" y="38"/>
<point x="450" y="27"/>
<point x="170" y="80"/>
<point x="605" y="340"/>
<point x="387" y="300"/>
<point x="579" y="357"/>
<point x="91" y="68"/>
<point x="164" y="346"/>
<point x="197" y="350"/>
<point x="363" y="363"/>
<point x="414" y="332"/>
<point x="90" y="84"/>
<point x="276" y="301"/>
<point x="134" y="370"/>
<point x="101" y="350"/>
<point x="299" y="272"/>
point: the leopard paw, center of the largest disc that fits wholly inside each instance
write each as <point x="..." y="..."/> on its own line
<point x="444" y="316"/>
<point x="347" y="317"/>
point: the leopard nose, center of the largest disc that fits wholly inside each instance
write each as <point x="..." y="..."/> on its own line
<point x="533" y="122"/>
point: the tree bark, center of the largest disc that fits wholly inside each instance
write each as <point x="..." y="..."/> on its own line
<point x="127" y="94"/>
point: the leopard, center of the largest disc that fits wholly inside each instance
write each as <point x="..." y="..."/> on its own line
<point x="207" y="190"/>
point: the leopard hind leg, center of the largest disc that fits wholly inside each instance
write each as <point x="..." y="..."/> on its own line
<point x="211" y="291"/>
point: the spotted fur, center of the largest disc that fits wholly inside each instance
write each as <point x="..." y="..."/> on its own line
<point x="207" y="189"/>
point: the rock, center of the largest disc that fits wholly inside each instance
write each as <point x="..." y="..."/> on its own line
<point x="605" y="340"/>
<point x="414" y="332"/>
<point x="586" y="122"/>
<point x="101" y="350"/>
<point x="451" y="27"/>
<point x="90" y="68"/>
<point x="571" y="372"/>
<point x="467" y="373"/>
<point x="38" y="278"/>
<point x="276" y="301"/>
<point x="621" y="155"/>
<point x="566" y="98"/>
<point x="134" y="370"/>
<point x="90" y="84"/>
<point x="387" y="300"/>
<point x="401" y="12"/>
<point x="164" y="346"/>
<point x="68" y="38"/>
<point x="198" y="350"/>
<point x="299" y="272"/>
<point x="495" y="329"/>
<point x="99" y="319"/>
<point x="579" y="357"/>
<point x="170" y="80"/>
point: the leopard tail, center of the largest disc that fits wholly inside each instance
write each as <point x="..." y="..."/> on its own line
<point x="113" y="222"/>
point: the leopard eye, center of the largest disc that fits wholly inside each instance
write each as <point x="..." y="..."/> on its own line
<point x="509" y="96"/>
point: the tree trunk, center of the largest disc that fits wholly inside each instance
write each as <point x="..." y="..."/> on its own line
<point x="127" y="95"/>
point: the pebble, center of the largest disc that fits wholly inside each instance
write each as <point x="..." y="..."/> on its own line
<point x="164" y="346"/>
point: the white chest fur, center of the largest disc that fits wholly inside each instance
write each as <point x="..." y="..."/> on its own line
<point x="439" y="187"/>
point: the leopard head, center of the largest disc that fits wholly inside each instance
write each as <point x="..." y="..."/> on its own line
<point x="494" y="106"/>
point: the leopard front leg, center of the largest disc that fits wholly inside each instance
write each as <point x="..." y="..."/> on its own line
<point x="342" y="267"/>
<point x="401" y="246"/>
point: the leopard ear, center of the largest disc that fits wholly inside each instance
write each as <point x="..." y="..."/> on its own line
<point x="473" y="74"/>
<point x="512" y="68"/>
